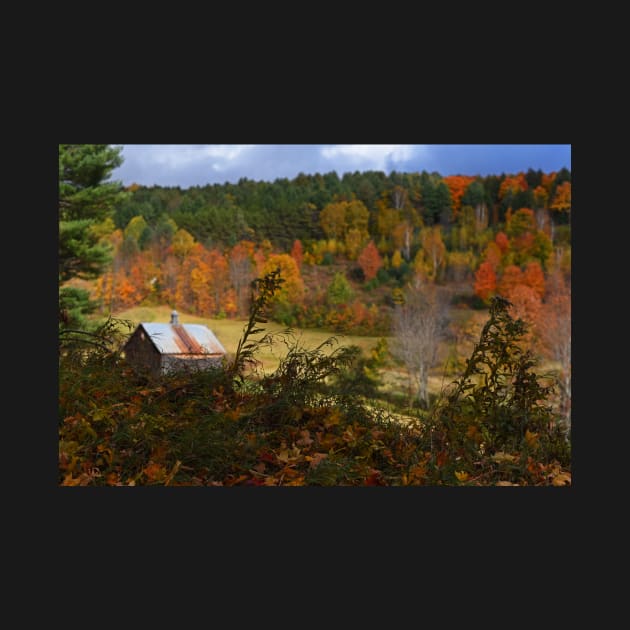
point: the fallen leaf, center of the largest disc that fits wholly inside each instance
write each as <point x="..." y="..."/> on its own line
<point x="500" y="456"/>
<point x="562" y="479"/>
<point x="531" y="438"/>
<point x="154" y="471"/>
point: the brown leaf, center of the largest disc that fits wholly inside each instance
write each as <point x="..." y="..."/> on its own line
<point x="500" y="456"/>
<point x="562" y="479"/>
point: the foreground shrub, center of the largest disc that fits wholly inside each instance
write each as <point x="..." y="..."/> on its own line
<point x="304" y="424"/>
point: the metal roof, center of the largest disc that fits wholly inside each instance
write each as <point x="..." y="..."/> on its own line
<point x="183" y="338"/>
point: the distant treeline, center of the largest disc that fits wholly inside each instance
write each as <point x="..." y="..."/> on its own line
<point x="286" y="210"/>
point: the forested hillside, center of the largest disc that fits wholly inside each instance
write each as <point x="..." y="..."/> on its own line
<point x="401" y="257"/>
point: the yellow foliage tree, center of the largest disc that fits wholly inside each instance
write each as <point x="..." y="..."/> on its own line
<point x="292" y="289"/>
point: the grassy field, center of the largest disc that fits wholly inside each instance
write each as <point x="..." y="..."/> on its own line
<point x="229" y="331"/>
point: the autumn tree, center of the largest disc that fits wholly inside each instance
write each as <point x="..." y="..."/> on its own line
<point x="432" y="255"/>
<point x="457" y="185"/>
<point x="554" y="329"/>
<point x="485" y="285"/>
<point x="562" y="198"/>
<point x="534" y="278"/>
<point x="86" y="198"/>
<point x="419" y="326"/>
<point x="526" y="305"/>
<point x="510" y="187"/>
<point x="183" y="242"/>
<point x="502" y="241"/>
<point x="333" y="219"/>
<point x="370" y="261"/>
<point x="387" y="219"/>
<point x="297" y="252"/>
<point x="292" y="289"/>
<point x="510" y="278"/>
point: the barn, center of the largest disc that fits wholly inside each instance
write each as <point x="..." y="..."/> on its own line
<point x="166" y="348"/>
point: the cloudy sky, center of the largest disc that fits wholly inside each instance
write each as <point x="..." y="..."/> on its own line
<point x="187" y="165"/>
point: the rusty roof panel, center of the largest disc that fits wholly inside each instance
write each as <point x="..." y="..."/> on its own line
<point x="183" y="338"/>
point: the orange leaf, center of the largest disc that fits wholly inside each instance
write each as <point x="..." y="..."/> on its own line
<point x="562" y="479"/>
<point x="153" y="471"/>
<point x="531" y="438"/>
<point x="69" y="480"/>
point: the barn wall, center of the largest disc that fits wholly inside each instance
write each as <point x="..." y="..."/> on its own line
<point x="173" y="363"/>
<point x="141" y="353"/>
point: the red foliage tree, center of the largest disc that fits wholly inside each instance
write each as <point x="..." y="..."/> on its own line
<point x="457" y="184"/>
<point x="534" y="278"/>
<point x="502" y="241"/>
<point x="526" y="305"/>
<point x="511" y="277"/>
<point x="370" y="261"/>
<point x="297" y="252"/>
<point x="485" y="281"/>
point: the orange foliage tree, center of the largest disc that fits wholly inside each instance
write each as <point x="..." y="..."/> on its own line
<point x="534" y="278"/>
<point x="457" y="184"/>
<point x="526" y="305"/>
<point x="370" y="261"/>
<point x="485" y="285"/>
<point x="510" y="278"/>
<point x="502" y="241"/>
<point x="512" y="185"/>
<point x="297" y="252"/>
<point x="562" y="199"/>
